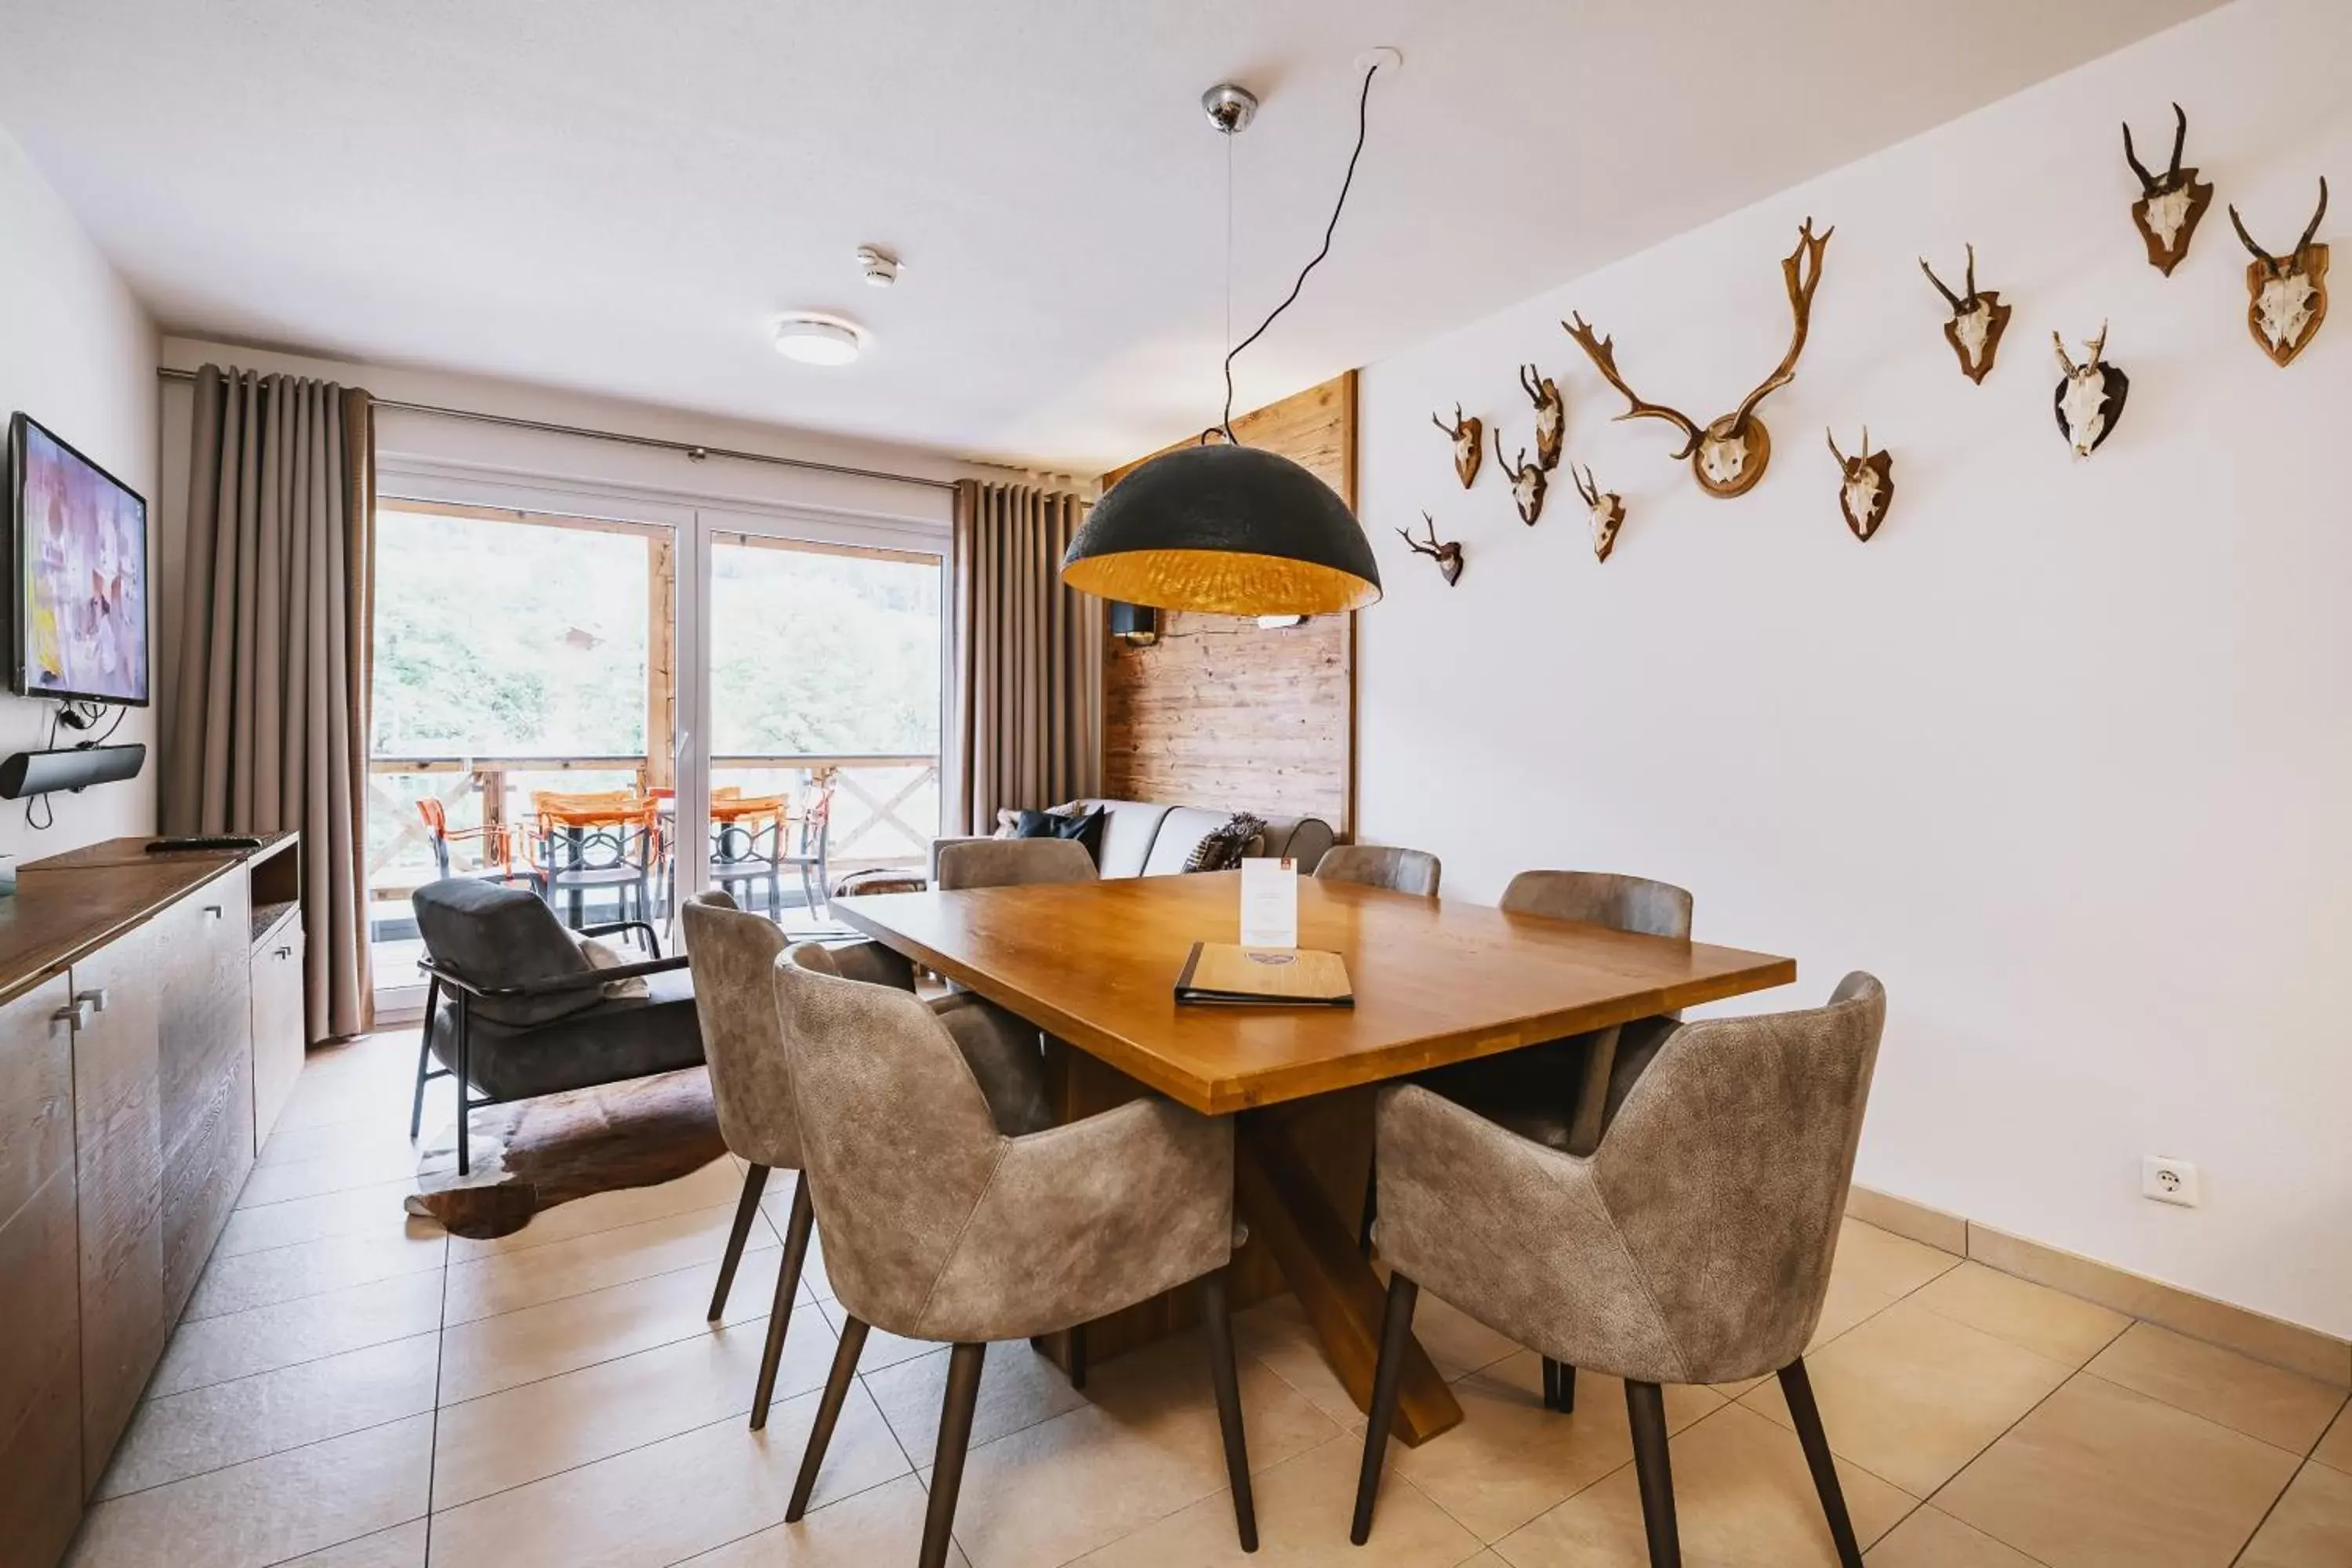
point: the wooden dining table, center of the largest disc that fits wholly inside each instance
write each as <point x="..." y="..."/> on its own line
<point x="1094" y="963"/>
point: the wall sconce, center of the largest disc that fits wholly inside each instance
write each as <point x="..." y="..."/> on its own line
<point x="1137" y="625"/>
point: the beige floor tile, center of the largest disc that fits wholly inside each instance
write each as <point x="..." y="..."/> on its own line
<point x="365" y="1211"/>
<point x="1457" y="1342"/>
<point x="362" y="1162"/>
<point x="2100" y="1477"/>
<point x="562" y="1336"/>
<point x="538" y="1429"/>
<point x="263" y="1339"/>
<point x="668" y="1500"/>
<point x="210" y="1428"/>
<point x="1018" y="1388"/>
<point x="1913" y="1396"/>
<point x="1890" y="1264"/>
<point x="269" y="1509"/>
<point x="1931" y="1538"/>
<point x="401" y="1546"/>
<point x="880" y="1528"/>
<point x="513" y="1280"/>
<point x="882" y="1349"/>
<point x="2281" y="1408"/>
<point x="1303" y="1509"/>
<point x="716" y="1184"/>
<point x="1510" y="1459"/>
<point x="1743" y="1499"/>
<point x="247" y="1279"/>
<point x="291" y="1145"/>
<point x="2045" y="1322"/>
<point x="1148" y="1447"/>
<point x="2310" y="1526"/>
<point x="1276" y="1332"/>
<point x="2335" y="1448"/>
<point x="1847" y="1304"/>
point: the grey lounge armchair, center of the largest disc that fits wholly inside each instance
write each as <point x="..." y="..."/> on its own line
<point x="733" y="956"/>
<point x="513" y="1010"/>
<point x="943" y="1224"/>
<point x="1413" y="872"/>
<point x="1692" y="1247"/>
<point x="1560" y="1092"/>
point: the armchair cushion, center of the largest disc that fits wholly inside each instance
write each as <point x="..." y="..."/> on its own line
<point x="495" y="937"/>
<point x="604" y="1042"/>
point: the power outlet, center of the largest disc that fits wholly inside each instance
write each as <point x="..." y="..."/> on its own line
<point x="2169" y="1181"/>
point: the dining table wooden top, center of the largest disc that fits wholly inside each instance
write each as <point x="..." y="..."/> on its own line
<point x="1435" y="981"/>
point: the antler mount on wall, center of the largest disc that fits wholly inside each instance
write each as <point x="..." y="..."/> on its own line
<point x="2288" y="294"/>
<point x="2170" y="204"/>
<point x="1728" y="456"/>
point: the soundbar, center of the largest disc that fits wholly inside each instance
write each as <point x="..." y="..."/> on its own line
<point x="74" y="768"/>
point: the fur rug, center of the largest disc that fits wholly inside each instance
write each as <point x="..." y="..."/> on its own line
<point x="535" y="1153"/>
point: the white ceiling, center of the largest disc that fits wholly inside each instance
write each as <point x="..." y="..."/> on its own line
<point x="620" y="197"/>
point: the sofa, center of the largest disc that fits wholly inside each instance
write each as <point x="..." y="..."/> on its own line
<point x="1144" y="838"/>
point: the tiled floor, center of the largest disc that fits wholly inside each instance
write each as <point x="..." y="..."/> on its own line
<point x="356" y="1389"/>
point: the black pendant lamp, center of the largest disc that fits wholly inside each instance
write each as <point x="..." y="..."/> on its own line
<point x="1223" y="528"/>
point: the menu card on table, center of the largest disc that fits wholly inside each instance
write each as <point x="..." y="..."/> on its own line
<point x="1269" y="903"/>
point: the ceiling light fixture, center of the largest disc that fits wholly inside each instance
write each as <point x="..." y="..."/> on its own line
<point x="815" y="339"/>
<point x="1222" y="528"/>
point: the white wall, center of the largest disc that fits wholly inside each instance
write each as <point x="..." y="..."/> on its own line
<point x="77" y="353"/>
<point x="2064" y="755"/>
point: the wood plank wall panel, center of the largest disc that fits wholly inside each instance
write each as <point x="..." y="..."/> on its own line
<point x="1223" y="712"/>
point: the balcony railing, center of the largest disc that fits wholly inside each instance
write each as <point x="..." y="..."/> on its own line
<point x="886" y="808"/>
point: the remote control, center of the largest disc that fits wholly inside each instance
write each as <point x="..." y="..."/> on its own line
<point x="204" y="841"/>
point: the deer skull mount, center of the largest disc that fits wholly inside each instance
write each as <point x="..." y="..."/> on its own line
<point x="1607" y="509"/>
<point x="1448" y="555"/>
<point x="1468" y="436"/>
<point x="1728" y="456"/>
<point x="1979" y="318"/>
<point x="1551" y="416"/>
<point x="2090" y="395"/>
<point x="2289" y="293"/>
<point x="1867" y="487"/>
<point x="2170" y="204"/>
<point x="1527" y="482"/>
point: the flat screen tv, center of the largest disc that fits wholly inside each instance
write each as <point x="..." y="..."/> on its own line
<point x="78" y="622"/>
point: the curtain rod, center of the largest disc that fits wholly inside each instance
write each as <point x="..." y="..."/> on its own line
<point x="657" y="443"/>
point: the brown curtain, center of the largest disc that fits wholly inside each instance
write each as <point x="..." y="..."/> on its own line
<point x="271" y="727"/>
<point x="1029" y="662"/>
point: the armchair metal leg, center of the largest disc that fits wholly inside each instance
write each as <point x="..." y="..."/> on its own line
<point x="1217" y="1317"/>
<point x="424" y="1056"/>
<point x="788" y="1285"/>
<point x="1647" y="1407"/>
<point x="464" y="1093"/>
<point x="964" y="1365"/>
<point x="1078" y="1342"/>
<point x="1559" y="1386"/>
<point x="828" y="1411"/>
<point x="746" y="1209"/>
<point x="1388" y="1378"/>
<point x="1797" y="1387"/>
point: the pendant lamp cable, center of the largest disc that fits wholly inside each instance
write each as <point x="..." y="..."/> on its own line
<point x="1363" y="103"/>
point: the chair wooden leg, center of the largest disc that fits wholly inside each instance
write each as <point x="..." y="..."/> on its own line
<point x="1216" y="1316"/>
<point x="964" y="1364"/>
<point x="1647" y="1407"/>
<point x="1396" y="1334"/>
<point x="1077" y="1342"/>
<point x="1797" y="1387"/>
<point x="788" y="1285"/>
<point x="746" y="1209"/>
<point x="828" y="1411"/>
<point x="1371" y="1211"/>
<point x="424" y="1056"/>
<point x="1550" y="1384"/>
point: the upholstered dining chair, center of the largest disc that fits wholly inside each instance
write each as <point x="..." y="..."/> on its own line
<point x="1560" y="1092"/>
<point x="732" y="954"/>
<point x="1013" y="862"/>
<point x="942" y="1223"/>
<point x="1380" y="866"/>
<point x="1694" y="1246"/>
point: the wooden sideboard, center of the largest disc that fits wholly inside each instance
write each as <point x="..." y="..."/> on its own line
<point x="151" y="1028"/>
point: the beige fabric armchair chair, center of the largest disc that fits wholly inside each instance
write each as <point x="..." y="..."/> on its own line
<point x="1692" y="1247"/>
<point x="1011" y="862"/>
<point x="1414" y="871"/>
<point x="941" y="1224"/>
<point x="733" y="957"/>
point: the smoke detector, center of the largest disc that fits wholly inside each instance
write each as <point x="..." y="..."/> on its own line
<point x="880" y="267"/>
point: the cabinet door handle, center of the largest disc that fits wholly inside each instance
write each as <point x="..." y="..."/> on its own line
<point x="285" y="953"/>
<point x="74" y="1015"/>
<point x="94" y="1000"/>
<point x="213" y="911"/>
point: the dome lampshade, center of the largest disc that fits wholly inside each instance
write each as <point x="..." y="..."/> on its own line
<point x="1227" y="530"/>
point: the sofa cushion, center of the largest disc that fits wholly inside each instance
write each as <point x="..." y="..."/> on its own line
<point x="1083" y="827"/>
<point x="1129" y="828"/>
<point x="1300" y="839"/>
<point x="1222" y="848"/>
<point x="1181" y="832"/>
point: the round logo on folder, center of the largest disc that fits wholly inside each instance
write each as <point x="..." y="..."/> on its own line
<point x="1273" y="958"/>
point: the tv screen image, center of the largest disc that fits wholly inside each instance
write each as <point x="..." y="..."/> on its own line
<point x="80" y="622"/>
